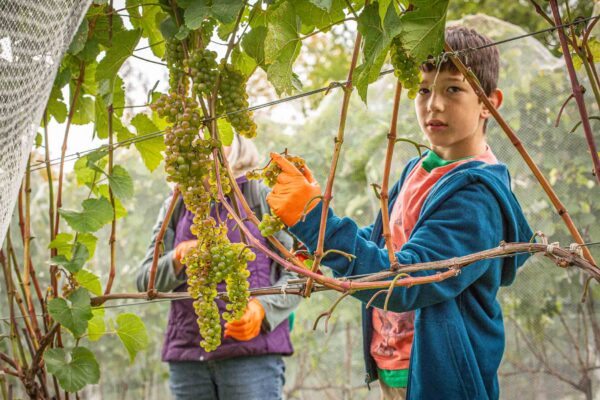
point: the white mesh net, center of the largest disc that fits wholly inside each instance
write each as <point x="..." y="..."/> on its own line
<point x="33" y="37"/>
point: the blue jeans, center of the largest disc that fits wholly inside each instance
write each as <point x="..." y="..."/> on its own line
<point x="248" y="378"/>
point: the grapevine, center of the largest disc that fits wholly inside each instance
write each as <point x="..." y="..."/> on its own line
<point x="405" y="68"/>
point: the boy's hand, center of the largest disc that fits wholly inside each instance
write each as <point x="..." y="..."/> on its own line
<point x="292" y="192"/>
<point x="247" y="327"/>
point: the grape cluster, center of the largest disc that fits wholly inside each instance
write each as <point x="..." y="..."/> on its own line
<point x="270" y="172"/>
<point x="212" y="262"/>
<point x="174" y="56"/>
<point x="270" y="225"/>
<point x="233" y="96"/>
<point x="405" y="68"/>
<point x="203" y="68"/>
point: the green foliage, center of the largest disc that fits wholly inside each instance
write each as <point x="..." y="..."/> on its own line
<point x="72" y="313"/>
<point x="121" y="183"/>
<point x="89" y="281"/>
<point x="224" y="11"/>
<point x="282" y="47"/>
<point x="96" y="325"/>
<point x="150" y="149"/>
<point x="95" y="214"/>
<point x="75" y="369"/>
<point x="132" y="332"/>
<point x="378" y="36"/>
<point x="76" y="261"/>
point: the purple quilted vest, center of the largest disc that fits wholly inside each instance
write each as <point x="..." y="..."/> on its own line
<point x="182" y="341"/>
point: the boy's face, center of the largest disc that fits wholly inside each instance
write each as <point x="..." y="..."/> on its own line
<point x="451" y="115"/>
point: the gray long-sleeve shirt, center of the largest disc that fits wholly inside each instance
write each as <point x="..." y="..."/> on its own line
<point x="277" y="307"/>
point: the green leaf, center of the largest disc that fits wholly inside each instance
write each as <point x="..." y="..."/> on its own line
<point x="282" y="47"/>
<point x="423" y="28"/>
<point x="89" y="281"/>
<point x="125" y="43"/>
<point x="253" y="44"/>
<point x="84" y="111"/>
<point x="96" y="213"/>
<point x="323" y="4"/>
<point x="63" y="244"/>
<point x="56" y="107"/>
<point x="73" y="375"/>
<point x="224" y="11"/>
<point x="243" y="62"/>
<point x="96" y="325"/>
<point x="313" y="16"/>
<point x="225" y="131"/>
<point x="89" y="241"/>
<point x="38" y="140"/>
<point x="149" y="22"/>
<point x="150" y="149"/>
<point x="377" y="39"/>
<point x="74" y="313"/>
<point x="168" y="28"/>
<point x="80" y="38"/>
<point x="76" y="262"/>
<point x="102" y="190"/>
<point x="121" y="183"/>
<point x="132" y="332"/>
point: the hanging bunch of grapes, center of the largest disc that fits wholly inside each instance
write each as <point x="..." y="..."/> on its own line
<point x="174" y="56"/>
<point x="233" y="96"/>
<point x="405" y="68"/>
<point x="189" y="163"/>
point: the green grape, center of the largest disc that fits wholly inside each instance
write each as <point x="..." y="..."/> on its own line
<point x="174" y="56"/>
<point x="203" y="69"/>
<point x="233" y="96"/>
<point x="270" y="225"/>
<point x="405" y="68"/>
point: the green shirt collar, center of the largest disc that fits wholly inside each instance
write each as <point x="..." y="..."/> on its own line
<point x="432" y="161"/>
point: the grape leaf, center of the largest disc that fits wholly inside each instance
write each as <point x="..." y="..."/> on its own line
<point x="253" y="44"/>
<point x="74" y="263"/>
<point x="89" y="281"/>
<point x="121" y="183"/>
<point x="313" y="16"/>
<point x="148" y="21"/>
<point x="242" y="61"/>
<point x="73" y="314"/>
<point x="322" y="4"/>
<point x="96" y="213"/>
<point x="150" y="148"/>
<point x="62" y="244"/>
<point x="96" y="325"/>
<point x="377" y="38"/>
<point x="80" y="38"/>
<point x="132" y="332"/>
<point x="282" y="47"/>
<point x="225" y="131"/>
<point x="56" y="107"/>
<point x="116" y="55"/>
<point x="224" y="11"/>
<point x="73" y="375"/>
<point x="423" y="28"/>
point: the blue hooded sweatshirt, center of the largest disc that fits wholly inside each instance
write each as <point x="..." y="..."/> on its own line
<point x="459" y="331"/>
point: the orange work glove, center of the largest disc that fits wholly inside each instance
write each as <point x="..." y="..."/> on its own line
<point x="180" y="251"/>
<point x="247" y="327"/>
<point x="292" y="191"/>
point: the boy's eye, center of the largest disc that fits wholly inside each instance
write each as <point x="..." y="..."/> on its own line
<point x="423" y="91"/>
<point x="454" y="89"/>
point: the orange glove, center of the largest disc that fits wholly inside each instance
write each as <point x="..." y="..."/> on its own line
<point x="247" y="327"/>
<point x="180" y="251"/>
<point x="292" y="191"/>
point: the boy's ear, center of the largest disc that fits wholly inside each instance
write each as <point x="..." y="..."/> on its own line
<point x="496" y="98"/>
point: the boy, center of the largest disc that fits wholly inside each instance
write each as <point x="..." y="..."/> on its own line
<point x="453" y="201"/>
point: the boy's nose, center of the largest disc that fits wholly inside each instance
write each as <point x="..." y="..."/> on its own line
<point x="435" y="103"/>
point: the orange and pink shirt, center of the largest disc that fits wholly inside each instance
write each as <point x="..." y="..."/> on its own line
<point x="393" y="332"/>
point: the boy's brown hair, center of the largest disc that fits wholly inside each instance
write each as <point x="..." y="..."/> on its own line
<point x="484" y="63"/>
